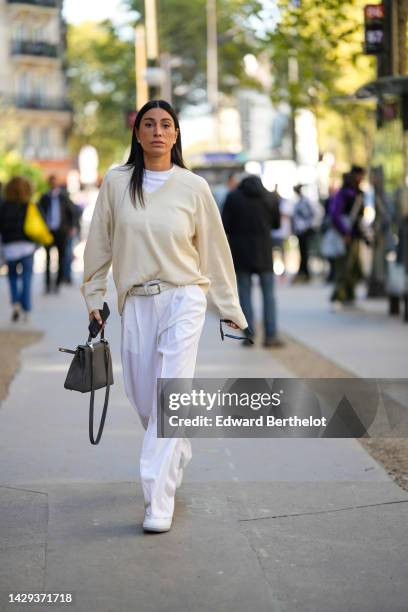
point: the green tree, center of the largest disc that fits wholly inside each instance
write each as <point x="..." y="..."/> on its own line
<point x="182" y="27"/>
<point x="326" y="40"/>
<point x="101" y="89"/>
<point x="101" y="66"/>
<point x="12" y="165"/>
<point x="318" y="62"/>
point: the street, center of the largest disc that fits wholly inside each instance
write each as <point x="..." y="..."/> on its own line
<point x="268" y="525"/>
<point x="196" y="143"/>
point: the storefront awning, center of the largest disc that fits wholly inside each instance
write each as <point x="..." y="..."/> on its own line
<point x="385" y="86"/>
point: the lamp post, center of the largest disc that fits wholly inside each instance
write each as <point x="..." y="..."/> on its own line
<point x="293" y="80"/>
<point x="142" y="94"/>
<point x="149" y="76"/>
<point x="212" y="55"/>
<point x="153" y="74"/>
<point x="212" y="66"/>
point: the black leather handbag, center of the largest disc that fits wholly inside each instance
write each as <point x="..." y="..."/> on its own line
<point x="91" y="369"/>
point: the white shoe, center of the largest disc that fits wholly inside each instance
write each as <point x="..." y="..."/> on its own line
<point x="158" y="525"/>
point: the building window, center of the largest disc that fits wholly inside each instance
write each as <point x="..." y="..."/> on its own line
<point x="38" y="34"/>
<point x="28" y="142"/>
<point x="23" y="85"/>
<point x="20" y="32"/>
<point x="44" y="142"/>
<point x="39" y="89"/>
<point x="27" y="137"/>
<point x="45" y="137"/>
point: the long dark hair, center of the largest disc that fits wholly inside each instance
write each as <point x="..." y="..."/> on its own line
<point x="136" y="159"/>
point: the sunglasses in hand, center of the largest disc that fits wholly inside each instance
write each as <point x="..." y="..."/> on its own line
<point x="224" y="335"/>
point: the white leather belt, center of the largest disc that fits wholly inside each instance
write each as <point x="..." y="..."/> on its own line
<point x="152" y="287"/>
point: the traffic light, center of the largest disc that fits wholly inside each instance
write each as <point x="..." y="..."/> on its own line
<point x="374" y="29"/>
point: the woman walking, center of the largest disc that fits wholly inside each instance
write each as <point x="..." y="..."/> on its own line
<point x="346" y="211"/>
<point x="17" y="247"/>
<point x="159" y="226"/>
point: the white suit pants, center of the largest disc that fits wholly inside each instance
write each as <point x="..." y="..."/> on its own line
<point x="160" y="336"/>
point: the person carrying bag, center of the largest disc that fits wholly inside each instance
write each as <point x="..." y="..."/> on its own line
<point x="159" y="227"/>
<point x="22" y="229"/>
<point x="346" y="211"/>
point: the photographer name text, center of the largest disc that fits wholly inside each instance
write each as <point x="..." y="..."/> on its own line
<point x="259" y="421"/>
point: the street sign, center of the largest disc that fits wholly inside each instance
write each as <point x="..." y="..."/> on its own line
<point x="374" y="29"/>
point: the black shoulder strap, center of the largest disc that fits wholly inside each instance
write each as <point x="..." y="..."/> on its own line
<point x="92" y="399"/>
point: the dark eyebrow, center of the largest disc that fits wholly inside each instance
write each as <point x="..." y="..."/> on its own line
<point x="153" y="119"/>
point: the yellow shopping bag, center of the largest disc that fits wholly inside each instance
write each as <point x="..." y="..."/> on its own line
<point x="35" y="227"/>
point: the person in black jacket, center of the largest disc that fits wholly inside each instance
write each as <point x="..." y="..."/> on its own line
<point x="250" y="213"/>
<point x="18" y="249"/>
<point x="59" y="214"/>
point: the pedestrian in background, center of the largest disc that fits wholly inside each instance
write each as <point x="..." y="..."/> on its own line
<point x="221" y="192"/>
<point x="346" y="210"/>
<point x="250" y="214"/>
<point x="383" y="240"/>
<point x="302" y="227"/>
<point x="59" y="213"/>
<point x="233" y="180"/>
<point x="281" y="236"/>
<point x="325" y="226"/>
<point x="18" y="249"/>
<point x="72" y="239"/>
<point x="160" y="227"/>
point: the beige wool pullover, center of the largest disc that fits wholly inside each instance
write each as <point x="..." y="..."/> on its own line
<point x="178" y="238"/>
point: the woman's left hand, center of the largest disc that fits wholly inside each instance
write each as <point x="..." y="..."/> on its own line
<point x="233" y="325"/>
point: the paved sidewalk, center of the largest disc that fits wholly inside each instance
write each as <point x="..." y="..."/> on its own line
<point x="363" y="339"/>
<point x="283" y="524"/>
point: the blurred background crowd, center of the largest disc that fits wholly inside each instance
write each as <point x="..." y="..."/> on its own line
<point x="296" y="112"/>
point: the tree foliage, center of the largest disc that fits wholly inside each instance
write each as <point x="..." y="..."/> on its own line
<point x="101" y="66"/>
<point x="101" y="88"/>
<point x="323" y="41"/>
<point x="11" y="165"/>
<point x="326" y="41"/>
<point x="323" y="38"/>
<point x="11" y="162"/>
<point x="182" y="26"/>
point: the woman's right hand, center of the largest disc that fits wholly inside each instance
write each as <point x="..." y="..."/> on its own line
<point x="95" y="314"/>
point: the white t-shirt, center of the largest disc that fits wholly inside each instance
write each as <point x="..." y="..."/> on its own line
<point x="153" y="180"/>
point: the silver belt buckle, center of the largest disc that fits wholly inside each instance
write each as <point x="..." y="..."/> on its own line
<point x="153" y="283"/>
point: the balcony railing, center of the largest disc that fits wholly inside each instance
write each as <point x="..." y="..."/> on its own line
<point x="47" y="3"/>
<point x="32" y="47"/>
<point x="40" y="103"/>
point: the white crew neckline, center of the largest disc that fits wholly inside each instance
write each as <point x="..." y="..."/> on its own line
<point x="168" y="175"/>
<point x="159" y="172"/>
